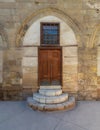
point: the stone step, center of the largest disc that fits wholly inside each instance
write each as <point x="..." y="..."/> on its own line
<point x="51" y="87"/>
<point x="50" y="92"/>
<point x="68" y="105"/>
<point x="50" y="100"/>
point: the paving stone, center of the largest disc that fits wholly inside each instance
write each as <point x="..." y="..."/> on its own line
<point x="68" y="126"/>
<point x="18" y="116"/>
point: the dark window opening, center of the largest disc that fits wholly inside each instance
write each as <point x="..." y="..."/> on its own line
<point x="49" y="33"/>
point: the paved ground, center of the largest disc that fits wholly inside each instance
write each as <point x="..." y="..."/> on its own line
<point x="18" y="116"/>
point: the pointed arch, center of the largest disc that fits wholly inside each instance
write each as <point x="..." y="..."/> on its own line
<point x="45" y="12"/>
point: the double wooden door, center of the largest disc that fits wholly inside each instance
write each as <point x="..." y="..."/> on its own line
<point x="50" y="66"/>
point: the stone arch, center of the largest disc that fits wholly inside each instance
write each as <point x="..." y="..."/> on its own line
<point x="32" y="35"/>
<point x="45" y="12"/>
<point x="93" y="39"/>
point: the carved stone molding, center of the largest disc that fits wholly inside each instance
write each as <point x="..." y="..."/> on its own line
<point x="92" y="40"/>
<point x="4" y="37"/>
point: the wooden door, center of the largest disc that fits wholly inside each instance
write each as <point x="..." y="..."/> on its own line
<point x="50" y="66"/>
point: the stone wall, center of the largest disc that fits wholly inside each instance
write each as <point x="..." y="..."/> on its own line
<point x="30" y="67"/>
<point x="87" y="73"/>
<point x="79" y="40"/>
<point x="70" y="69"/>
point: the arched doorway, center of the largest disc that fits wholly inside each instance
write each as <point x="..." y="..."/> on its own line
<point x="67" y="56"/>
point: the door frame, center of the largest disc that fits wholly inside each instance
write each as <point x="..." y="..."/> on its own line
<point x="51" y="48"/>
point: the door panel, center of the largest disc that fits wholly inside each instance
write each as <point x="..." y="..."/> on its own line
<point x="56" y="65"/>
<point x="43" y="66"/>
<point x="49" y="66"/>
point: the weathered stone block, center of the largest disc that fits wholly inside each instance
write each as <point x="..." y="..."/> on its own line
<point x="70" y="88"/>
<point x="90" y="79"/>
<point x="70" y="60"/>
<point x="98" y="61"/>
<point x="7" y="0"/>
<point x="29" y="83"/>
<point x="70" y="69"/>
<point x="87" y="95"/>
<point x="30" y="79"/>
<point x="70" y="77"/>
<point x="30" y="51"/>
<point x="1" y="76"/>
<point x="30" y="61"/>
<point x="70" y="51"/>
<point x="30" y="70"/>
<point x="98" y="80"/>
<point x="30" y="75"/>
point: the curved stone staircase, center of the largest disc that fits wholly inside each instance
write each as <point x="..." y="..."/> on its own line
<point x="51" y="98"/>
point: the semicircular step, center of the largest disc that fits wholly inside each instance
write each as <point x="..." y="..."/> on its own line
<point x="50" y="100"/>
<point x="50" y="92"/>
<point x="68" y="105"/>
<point x="51" y="87"/>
